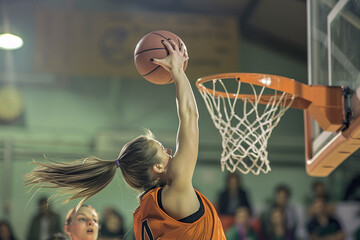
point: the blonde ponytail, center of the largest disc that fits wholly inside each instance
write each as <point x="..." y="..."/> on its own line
<point x="79" y="179"/>
<point x="85" y="178"/>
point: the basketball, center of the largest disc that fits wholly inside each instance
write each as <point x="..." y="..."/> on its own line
<point x="150" y="46"/>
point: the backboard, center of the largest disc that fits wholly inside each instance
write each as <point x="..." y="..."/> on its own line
<point x="333" y="60"/>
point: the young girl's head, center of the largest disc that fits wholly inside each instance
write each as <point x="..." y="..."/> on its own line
<point x="82" y="224"/>
<point x="141" y="162"/>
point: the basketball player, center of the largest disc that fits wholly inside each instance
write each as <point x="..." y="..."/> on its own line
<point x="170" y="208"/>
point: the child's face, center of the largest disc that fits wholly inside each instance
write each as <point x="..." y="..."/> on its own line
<point x="84" y="225"/>
<point x="242" y="215"/>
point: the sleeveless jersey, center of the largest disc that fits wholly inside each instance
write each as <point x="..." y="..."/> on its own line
<point x="151" y="222"/>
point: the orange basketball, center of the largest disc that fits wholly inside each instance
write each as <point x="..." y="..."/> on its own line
<point x="150" y="46"/>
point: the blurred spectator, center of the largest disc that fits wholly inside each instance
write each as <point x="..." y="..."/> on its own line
<point x="6" y="232"/>
<point x="57" y="236"/>
<point x="322" y="225"/>
<point x="233" y="197"/>
<point x="282" y="202"/>
<point x="112" y="225"/>
<point x="277" y="229"/>
<point x="243" y="228"/>
<point x="45" y="223"/>
<point x="82" y="224"/>
<point x="319" y="191"/>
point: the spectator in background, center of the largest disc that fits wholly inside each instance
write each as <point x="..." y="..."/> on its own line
<point x="82" y="224"/>
<point x="282" y="202"/>
<point x="112" y="225"/>
<point x="233" y="197"/>
<point x="6" y="232"/>
<point x="243" y="228"/>
<point x="277" y="229"/>
<point x="319" y="191"/>
<point x="323" y="226"/>
<point x="45" y="223"/>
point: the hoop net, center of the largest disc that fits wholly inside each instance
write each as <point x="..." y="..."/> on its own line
<point x="244" y="125"/>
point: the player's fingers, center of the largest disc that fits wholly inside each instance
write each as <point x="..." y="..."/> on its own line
<point x="185" y="49"/>
<point x="156" y="61"/>
<point x="173" y="44"/>
<point x="161" y="62"/>
<point x="182" y="49"/>
<point x="186" y="55"/>
<point x="168" y="46"/>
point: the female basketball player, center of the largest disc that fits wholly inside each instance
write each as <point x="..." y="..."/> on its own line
<point x="170" y="208"/>
<point x="82" y="224"/>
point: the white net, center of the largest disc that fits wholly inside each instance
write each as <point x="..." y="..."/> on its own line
<point x="245" y="128"/>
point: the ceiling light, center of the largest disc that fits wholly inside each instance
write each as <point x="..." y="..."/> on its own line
<point x="10" y="42"/>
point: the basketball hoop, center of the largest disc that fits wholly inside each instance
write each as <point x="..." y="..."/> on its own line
<point x="246" y="117"/>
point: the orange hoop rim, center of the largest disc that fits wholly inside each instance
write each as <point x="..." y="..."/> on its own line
<point x="275" y="82"/>
<point x="304" y="94"/>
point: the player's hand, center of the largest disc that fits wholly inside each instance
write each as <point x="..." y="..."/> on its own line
<point x="176" y="58"/>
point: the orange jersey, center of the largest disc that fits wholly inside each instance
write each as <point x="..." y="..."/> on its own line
<point x="151" y="222"/>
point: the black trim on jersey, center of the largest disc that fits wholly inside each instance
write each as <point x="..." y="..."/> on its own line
<point x="189" y="219"/>
<point x="145" y="229"/>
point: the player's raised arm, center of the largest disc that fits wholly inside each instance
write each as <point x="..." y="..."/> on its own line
<point x="182" y="165"/>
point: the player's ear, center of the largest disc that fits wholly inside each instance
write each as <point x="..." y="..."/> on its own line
<point x="158" y="168"/>
<point x="67" y="229"/>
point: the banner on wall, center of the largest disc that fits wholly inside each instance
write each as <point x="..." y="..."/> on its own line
<point x="103" y="43"/>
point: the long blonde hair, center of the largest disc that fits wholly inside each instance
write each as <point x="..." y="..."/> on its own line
<point x="85" y="178"/>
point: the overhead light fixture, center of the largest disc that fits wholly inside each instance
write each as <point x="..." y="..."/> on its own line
<point x="10" y="41"/>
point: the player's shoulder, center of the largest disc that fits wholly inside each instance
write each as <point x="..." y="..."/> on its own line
<point x="146" y="198"/>
<point x="149" y="193"/>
